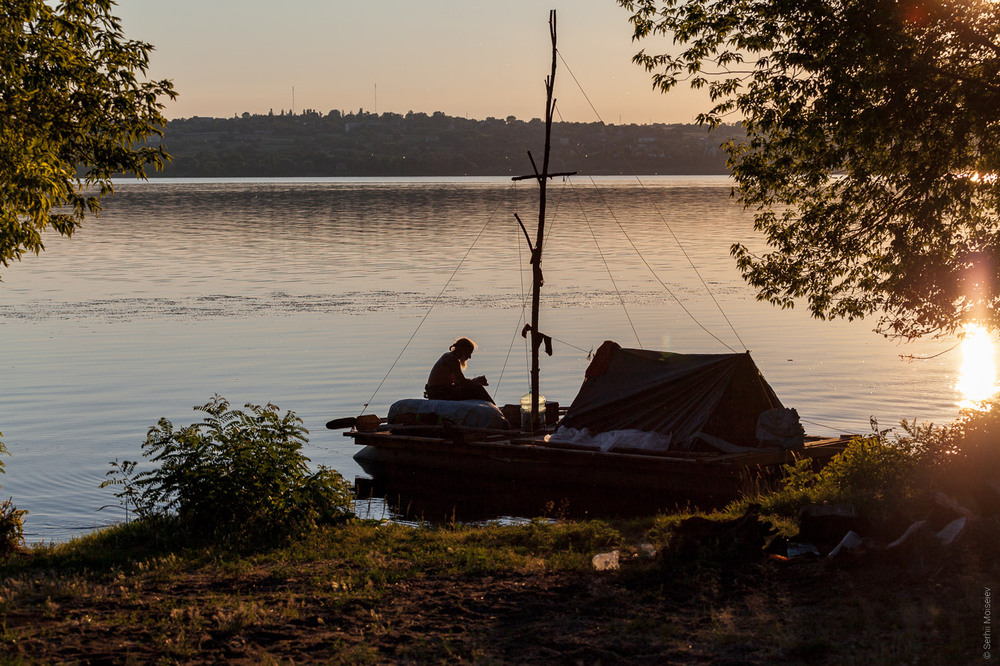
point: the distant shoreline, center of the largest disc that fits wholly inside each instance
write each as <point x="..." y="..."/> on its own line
<point x="722" y="180"/>
<point x="365" y="145"/>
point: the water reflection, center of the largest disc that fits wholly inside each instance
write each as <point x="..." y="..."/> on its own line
<point x="977" y="379"/>
<point x="287" y="292"/>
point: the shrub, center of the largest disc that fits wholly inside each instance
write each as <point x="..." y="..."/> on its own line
<point x="11" y="518"/>
<point x="11" y="528"/>
<point x="961" y="454"/>
<point x="869" y="467"/>
<point x="881" y="475"/>
<point x="238" y="476"/>
<point x="872" y="472"/>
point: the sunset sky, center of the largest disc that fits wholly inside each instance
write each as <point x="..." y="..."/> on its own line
<point x="465" y="58"/>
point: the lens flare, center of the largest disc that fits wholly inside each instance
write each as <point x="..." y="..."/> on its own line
<point x="977" y="379"/>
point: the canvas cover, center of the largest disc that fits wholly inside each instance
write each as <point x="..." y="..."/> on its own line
<point x="693" y="398"/>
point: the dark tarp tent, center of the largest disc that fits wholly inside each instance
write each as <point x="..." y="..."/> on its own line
<point x="681" y="395"/>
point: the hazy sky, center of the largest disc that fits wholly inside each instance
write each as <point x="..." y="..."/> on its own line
<point x="462" y="57"/>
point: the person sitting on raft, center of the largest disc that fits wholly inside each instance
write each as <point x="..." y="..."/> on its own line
<point x="447" y="380"/>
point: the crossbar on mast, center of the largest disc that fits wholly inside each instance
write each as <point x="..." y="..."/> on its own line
<point x="536" y="176"/>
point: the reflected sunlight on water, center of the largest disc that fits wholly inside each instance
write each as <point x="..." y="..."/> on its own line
<point x="977" y="380"/>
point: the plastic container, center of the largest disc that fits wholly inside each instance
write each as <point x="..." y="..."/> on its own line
<point x="526" y="411"/>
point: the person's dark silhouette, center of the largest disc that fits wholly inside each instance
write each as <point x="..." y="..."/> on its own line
<point x="447" y="380"/>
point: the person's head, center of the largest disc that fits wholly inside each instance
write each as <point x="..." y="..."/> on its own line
<point x="463" y="348"/>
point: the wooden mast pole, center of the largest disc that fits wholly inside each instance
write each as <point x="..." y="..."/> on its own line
<point x="536" y="252"/>
<point x="536" y="273"/>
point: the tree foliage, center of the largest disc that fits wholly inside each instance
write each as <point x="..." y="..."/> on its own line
<point x="872" y="150"/>
<point x="75" y="112"/>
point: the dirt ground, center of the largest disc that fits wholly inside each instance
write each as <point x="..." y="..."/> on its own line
<point x="760" y="612"/>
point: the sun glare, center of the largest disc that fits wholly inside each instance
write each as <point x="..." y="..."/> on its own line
<point x="977" y="379"/>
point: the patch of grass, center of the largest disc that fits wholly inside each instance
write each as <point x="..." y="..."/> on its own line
<point x="563" y="544"/>
<point x="118" y="547"/>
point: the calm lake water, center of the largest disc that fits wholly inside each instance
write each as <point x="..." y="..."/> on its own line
<point x="324" y="295"/>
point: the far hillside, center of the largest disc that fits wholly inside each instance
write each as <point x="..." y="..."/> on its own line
<point x="418" y="144"/>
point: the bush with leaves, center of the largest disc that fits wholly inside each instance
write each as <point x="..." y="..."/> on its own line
<point x="11" y="518"/>
<point x="11" y="527"/>
<point x="961" y="456"/>
<point x="239" y="477"/>
<point x="882" y="473"/>
<point x="874" y="473"/>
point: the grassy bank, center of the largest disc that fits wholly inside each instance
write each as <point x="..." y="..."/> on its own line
<point x="368" y="592"/>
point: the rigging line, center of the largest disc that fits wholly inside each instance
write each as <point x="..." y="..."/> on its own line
<point x="567" y="183"/>
<point x="828" y="427"/>
<point x="524" y="300"/>
<point x="551" y="217"/>
<point x="662" y="219"/>
<point x="550" y="226"/>
<point x="690" y="261"/>
<point x="563" y="342"/>
<point x="607" y="267"/>
<point x="580" y="87"/>
<point x="510" y="350"/>
<point x="657" y="277"/>
<point x="438" y="297"/>
<point x="520" y="259"/>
